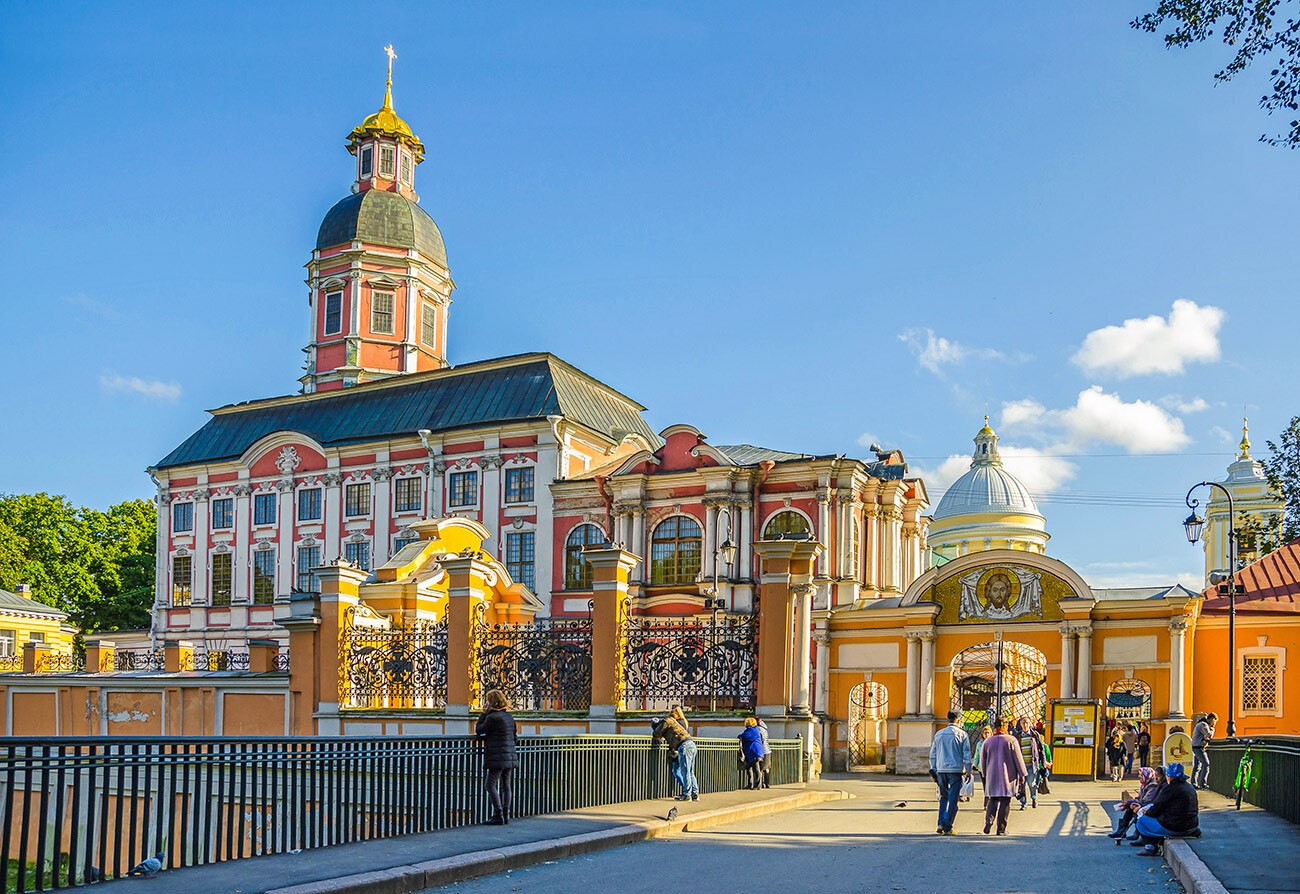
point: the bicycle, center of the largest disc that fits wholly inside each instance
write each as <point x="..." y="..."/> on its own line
<point x="1245" y="772"/>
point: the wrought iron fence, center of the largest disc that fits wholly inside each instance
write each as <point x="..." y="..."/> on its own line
<point x="544" y="665"/>
<point x="62" y="663"/>
<point x="398" y="667"/>
<point x="138" y="661"/>
<point x="282" y="661"/>
<point x="77" y="810"/>
<point x="10" y="664"/>
<point x="706" y="664"/>
<point x="220" y="661"/>
<point x="1276" y="787"/>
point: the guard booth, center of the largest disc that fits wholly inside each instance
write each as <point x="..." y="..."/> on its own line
<point x="1077" y="733"/>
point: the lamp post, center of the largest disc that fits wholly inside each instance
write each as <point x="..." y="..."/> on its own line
<point x="1192" y="525"/>
<point x="726" y="549"/>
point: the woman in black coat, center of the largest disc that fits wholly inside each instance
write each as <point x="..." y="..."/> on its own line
<point x="500" y="756"/>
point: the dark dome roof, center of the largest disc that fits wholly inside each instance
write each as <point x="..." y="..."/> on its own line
<point x="383" y="218"/>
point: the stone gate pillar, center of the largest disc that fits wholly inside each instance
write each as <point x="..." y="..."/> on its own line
<point x="611" y="568"/>
<point x="315" y="641"/>
<point x="467" y="588"/>
<point x="784" y="564"/>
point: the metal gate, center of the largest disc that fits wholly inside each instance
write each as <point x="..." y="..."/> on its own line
<point x="1000" y="679"/>
<point x="868" y="708"/>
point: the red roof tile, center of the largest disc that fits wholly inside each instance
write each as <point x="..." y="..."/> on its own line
<point x="1272" y="584"/>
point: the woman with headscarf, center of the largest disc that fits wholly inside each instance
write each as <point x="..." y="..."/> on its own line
<point x="1151" y="781"/>
<point x="1174" y="812"/>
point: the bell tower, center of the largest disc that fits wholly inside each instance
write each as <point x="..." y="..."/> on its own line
<point x="380" y="287"/>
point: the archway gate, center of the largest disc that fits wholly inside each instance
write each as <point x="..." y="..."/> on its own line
<point x="999" y="679"/>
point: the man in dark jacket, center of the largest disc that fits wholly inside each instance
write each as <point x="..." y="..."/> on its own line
<point x="682" y="748"/>
<point x="1173" y="812"/>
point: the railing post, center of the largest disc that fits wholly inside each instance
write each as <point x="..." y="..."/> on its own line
<point x="610" y="570"/>
<point x="178" y="655"/>
<point x="340" y="582"/>
<point x="261" y="655"/>
<point x="467" y="576"/>
<point x="99" y="656"/>
<point x="36" y="658"/>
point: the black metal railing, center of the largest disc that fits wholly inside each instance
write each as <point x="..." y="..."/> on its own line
<point x="397" y="667"/>
<point x="220" y="661"/>
<point x="138" y="661"/>
<point x="11" y="664"/>
<point x="77" y="810"/>
<point x="542" y="665"/>
<point x="1277" y="772"/>
<point x="703" y="664"/>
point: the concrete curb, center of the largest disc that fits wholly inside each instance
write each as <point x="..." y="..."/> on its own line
<point x="434" y="873"/>
<point x="1190" y="870"/>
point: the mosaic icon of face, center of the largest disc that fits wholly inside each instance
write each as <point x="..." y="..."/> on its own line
<point x="999" y="591"/>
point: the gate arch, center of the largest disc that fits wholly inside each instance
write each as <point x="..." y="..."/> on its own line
<point x="868" y="708"/>
<point x="1006" y="678"/>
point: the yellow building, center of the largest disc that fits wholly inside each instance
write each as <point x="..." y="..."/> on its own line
<point x="23" y="620"/>
<point x="1258" y="512"/>
<point x="987" y="508"/>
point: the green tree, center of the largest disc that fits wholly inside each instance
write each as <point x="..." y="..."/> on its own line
<point x="1283" y="470"/>
<point x="1256" y="30"/>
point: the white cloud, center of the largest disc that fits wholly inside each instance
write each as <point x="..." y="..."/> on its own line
<point x="1098" y="417"/>
<point x="1176" y="403"/>
<point x="934" y="351"/>
<point x="151" y="388"/>
<point x="1154" y="344"/>
<point x="1188" y="579"/>
<point x="938" y="480"/>
<point x="1041" y="472"/>
<point x="1222" y="434"/>
<point x="866" y="439"/>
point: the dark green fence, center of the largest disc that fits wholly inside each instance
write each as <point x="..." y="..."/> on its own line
<point x="83" y="809"/>
<point x="1277" y="772"/>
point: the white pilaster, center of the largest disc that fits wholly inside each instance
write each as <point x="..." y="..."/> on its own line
<point x="912" y="699"/>
<point x="199" y="593"/>
<point x="284" y="515"/>
<point x="821" y="695"/>
<point x="802" y="646"/>
<point x="1067" y="662"/>
<point x="926" y="692"/>
<point x="1177" y="665"/>
<point x="824" y="530"/>
<point x="744" y="538"/>
<point x="490" y="469"/>
<point x="1083" y="686"/>
<point x="332" y="524"/>
<point x="383" y="487"/>
<point x="242" y="570"/>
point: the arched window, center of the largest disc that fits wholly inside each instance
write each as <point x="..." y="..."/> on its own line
<point x="675" y="551"/>
<point x="786" y="522"/>
<point x="577" y="570"/>
<point x="1129" y="700"/>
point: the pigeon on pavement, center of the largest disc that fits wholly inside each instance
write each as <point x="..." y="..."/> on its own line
<point x="148" y="868"/>
<point x="672" y="814"/>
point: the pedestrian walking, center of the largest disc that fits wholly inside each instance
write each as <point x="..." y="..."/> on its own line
<point x="681" y="755"/>
<point x="496" y="727"/>
<point x="1115" y="755"/>
<point x="1031" y="750"/>
<point x="976" y="748"/>
<point x="1173" y="812"/>
<point x="1144" y="746"/>
<point x="1129" y="735"/>
<point x="1202" y="733"/>
<point x="1004" y="769"/>
<point x="751" y="751"/>
<point x="950" y="764"/>
<point x="766" y="763"/>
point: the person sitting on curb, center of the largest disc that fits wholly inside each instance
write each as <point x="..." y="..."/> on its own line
<point x="1173" y="814"/>
<point x="1152" y="779"/>
<point x="682" y="756"/>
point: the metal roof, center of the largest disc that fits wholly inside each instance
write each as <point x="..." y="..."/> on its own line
<point x="1134" y="594"/>
<point x="748" y="454"/>
<point x="15" y="603"/>
<point x="510" y="389"/>
<point x="1272" y="584"/>
<point x="383" y="218"/>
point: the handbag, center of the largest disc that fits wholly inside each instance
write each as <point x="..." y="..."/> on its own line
<point x="968" y="787"/>
<point x="1042" y="786"/>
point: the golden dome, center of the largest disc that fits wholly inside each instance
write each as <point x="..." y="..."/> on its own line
<point x="386" y="122"/>
<point x="985" y="430"/>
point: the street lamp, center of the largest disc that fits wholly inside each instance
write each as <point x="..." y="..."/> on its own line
<point x="1193" y="525"/>
<point x="726" y="549"/>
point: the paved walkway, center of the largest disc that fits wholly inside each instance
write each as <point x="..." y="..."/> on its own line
<point x="868" y="844"/>
<point x="1250" y="851"/>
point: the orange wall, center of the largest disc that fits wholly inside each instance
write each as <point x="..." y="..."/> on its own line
<point x="1210" y="671"/>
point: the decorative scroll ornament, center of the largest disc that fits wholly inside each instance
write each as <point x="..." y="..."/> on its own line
<point x="702" y="664"/>
<point x="288" y="460"/>
<point x="400" y="667"/>
<point x="544" y="665"/>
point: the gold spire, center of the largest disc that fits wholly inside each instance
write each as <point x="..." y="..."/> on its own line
<point x="985" y="430"/>
<point x="386" y="122"/>
<point x="388" y="91"/>
<point x="1245" y="439"/>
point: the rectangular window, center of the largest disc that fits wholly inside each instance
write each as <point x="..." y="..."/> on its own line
<point x="519" y="485"/>
<point x="333" y="313"/>
<point x="264" y="509"/>
<point x="408" y="494"/>
<point x="309" y="504"/>
<point x="223" y="513"/>
<point x="358" y="554"/>
<point x="264" y="577"/>
<point x="406" y="168"/>
<point x="429" y="325"/>
<point x="519" y="558"/>
<point x="357" y="500"/>
<point x="183" y="517"/>
<point x="386" y="161"/>
<point x="36" y="636"/>
<point x="8" y="643"/>
<point x="402" y="542"/>
<point x="222" y="563"/>
<point x="182" y="581"/>
<point x="464" y="489"/>
<point x="308" y="558"/>
<point x="381" y="312"/>
<point x="1259" y="684"/>
<point x="367" y="159"/>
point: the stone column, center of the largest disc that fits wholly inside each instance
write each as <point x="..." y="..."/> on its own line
<point x="305" y="654"/>
<point x="821" y="695"/>
<point x="744" y="541"/>
<point x="162" y="531"/>
<point x="491" y="508"/>
<point x="1067" y="661"/>
<point x="1083" y="686"/>
<point x="636" y="545"/>
<point x="926" y="693"/>
<point x="340" y="583"/>
<point x="871" y="562"/>
<point x="466" y="588"/>
<point x="383" y="486"/>
<point x="285" y="512"/>
<point x="1177" y="665"/>
<point x="709" y="560"/>
<point x="780" y="561"/>
<point x="610" y="571"/>
<point x="823" y="528"/>
<point x="199" y="576"/>
<point x="803" y="594"/>
<point x="241" y="569"/>
<point x="912" y="699"/>
<point x="437" y="471"/>
<point x="332" y="524"/>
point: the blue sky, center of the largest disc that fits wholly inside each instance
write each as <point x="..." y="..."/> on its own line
<point x="806" y="228"/>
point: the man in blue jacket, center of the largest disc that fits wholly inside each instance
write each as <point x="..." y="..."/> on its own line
<point x="949" y="765"/>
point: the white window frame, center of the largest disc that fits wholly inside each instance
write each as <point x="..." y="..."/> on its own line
<point x="478" y="488"/>
<point x="391" y="172"/>
<point x="8" y="643"/>
<point x="370" y="499"/>
<point x="174" y="507"/>
<point x="406" y="166"/>
<point x="423" y="495"/>
<point x="349" y="543"/>
<point x="504" y="492"/>
<point x="325" y="313"/>
<point x="252" y="508"/>
<point x="363" y="161"/>
<point x="428" y="309"/>
<point x="1278" y="654"/>
<point x="375" y="295"/>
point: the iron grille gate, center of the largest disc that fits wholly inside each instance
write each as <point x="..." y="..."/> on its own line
<point x="703" y="664"/>
<point x="398" y="667"/>
<point x="999" y="679"/>
<point x="544" y="665"/>
<point x="868" y="708"/>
